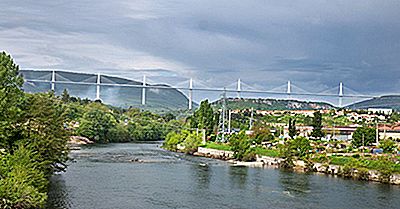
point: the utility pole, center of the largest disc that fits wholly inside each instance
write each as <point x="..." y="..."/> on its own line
<point x="377" y="133"/>
<point x="223" y="114"/>
<point x="229" y="121"/>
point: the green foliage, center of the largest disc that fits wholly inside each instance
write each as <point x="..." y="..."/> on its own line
<point x="301" y="146"/>
<point x="388" y="146"/>
<point x="173" y="139"/>
<point x="96" y="123"/>
<point x="204" y="117"/>
<point x="65" y="96"/>
<point x="363" y="136"/>
<point x="241" y="147"/>
<point x="11" y="96"/>
<point x="192" y="142"/>
<point x="317" y="125"/>
<point x="42" y="130"/>
<point x="261" y="134"/>
<point x="218" y="146"/>
<point x="22" y="184"/>
<point x="292" y="128"/>
<point x="266" y="152"/>
<point x="296" y="148"/>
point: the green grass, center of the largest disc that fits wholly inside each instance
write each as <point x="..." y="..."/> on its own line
<point x="266" y="152"/>
<point x="218" y="146"/>
<point x="341" y="160"/>
<point x="371" y="164"/>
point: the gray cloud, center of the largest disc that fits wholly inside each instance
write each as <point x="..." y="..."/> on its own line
<point x="315" y="44"/>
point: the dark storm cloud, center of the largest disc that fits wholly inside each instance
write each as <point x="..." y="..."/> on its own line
<point x="315" y="44"/>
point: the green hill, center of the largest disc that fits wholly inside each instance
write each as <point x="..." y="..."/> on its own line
<point x="272" y="104"/>
<point x="169" y="99"/>
<point x="389" y="101"/>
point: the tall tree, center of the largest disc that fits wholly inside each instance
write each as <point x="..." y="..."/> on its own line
<point x="65" y="97"/>
<point x="11" y="96"/>
<point x="204" y="117"/>
<point x="363" y="136"/>
<point x="43" y="130"/>
<point x="317" y="125"/>
<point x="292" y="128"/>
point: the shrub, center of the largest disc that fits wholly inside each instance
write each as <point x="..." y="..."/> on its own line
<point x="22" y="184"/>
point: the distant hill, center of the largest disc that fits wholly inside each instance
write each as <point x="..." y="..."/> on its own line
<point x="389" y="101"/>
<point x="170" y="99"/>
<point x="272" y="104"/>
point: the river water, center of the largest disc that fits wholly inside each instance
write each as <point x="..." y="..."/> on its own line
<point x="108" y="177"/>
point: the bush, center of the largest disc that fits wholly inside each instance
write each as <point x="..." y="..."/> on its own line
<point x="388" y="146"/>
<point x="22" y="184"/>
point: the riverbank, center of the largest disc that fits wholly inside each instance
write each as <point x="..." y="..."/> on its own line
<point x="303" y="166"/>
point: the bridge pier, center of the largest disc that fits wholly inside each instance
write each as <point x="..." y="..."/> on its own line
<point x="98" y="86"/>
<point x="239" y="88"/>
<point x="144" y="90"/>
<point x="53" y="80"/>
<point x="190" y="93"/>
<point x="340" y="94"/>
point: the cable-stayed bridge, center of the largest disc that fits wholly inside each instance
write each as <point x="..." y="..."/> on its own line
<point x="58" y="80"/>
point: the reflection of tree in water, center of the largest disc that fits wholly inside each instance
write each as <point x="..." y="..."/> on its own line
<point x="238" y="176"/>
<point x="201" y="172"/>
<point x="58" y="194"/>
<point x="294" y="183"/>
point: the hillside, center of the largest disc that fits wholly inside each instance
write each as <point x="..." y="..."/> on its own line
<point x="389" y="101"/>
<point x="170" y="99"/>
<point x="272" y="104"/>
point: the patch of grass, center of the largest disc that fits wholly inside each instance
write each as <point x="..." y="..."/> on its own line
<point x="266" y="152"/>
<point x="218" y="146"/>
<point x="340" y="160"/>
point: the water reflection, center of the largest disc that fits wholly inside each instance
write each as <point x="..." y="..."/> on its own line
<point x="238" y="176"/>
<point x="201" y="172"/>
<point x="294" y="184"/>
<point x="104" y="177"/>
<point x="58" y="194"/>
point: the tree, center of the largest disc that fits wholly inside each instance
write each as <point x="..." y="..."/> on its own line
<point x="363" y="136"/>
<point x="388" y="146"/>
<point x="241" y="147"/>
<point x="65" y="97"/>
<point x="97" y="123"/>
<point x="22" y="184"/>
<point x="292" y="128"/>
<point x="42" y="129"/>
<point x="317" y="125"/>
<point x="261" y="134"/>
<point x="11" y="96"/>
<point x="204" y="117"/>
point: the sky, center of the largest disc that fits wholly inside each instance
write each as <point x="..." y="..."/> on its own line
<point x="314" y="44"/>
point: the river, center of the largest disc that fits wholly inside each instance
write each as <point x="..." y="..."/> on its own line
<point x="108" y="177"/>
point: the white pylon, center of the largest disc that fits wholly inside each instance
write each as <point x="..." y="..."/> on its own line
<point x="53" y="80"/>
<point x="288" y="88"/>
<point x="239" y="88"/>
<point x="190" y="93"/>
<point x="340" y="94"/>
<point x="98" y="86"/>
<point x="144" y="90"/>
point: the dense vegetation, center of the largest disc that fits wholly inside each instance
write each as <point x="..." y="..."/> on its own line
<point x="33" y="140"/>
<point x="35" y="130"/>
